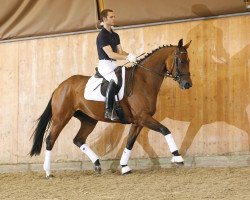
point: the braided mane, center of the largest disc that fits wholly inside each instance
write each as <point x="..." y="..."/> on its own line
<point x="151" y="53"/>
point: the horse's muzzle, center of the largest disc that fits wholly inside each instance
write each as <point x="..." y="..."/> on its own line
<point x="185" y="85"/>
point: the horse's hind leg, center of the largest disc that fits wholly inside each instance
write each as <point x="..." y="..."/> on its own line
<point x="87" y="126"/>
<point x="61" y="116"/>
<point x="56" y="128"/>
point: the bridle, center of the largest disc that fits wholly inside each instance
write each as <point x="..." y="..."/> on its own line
<point x="177" y="76"/>
<point x="176" y="64"/>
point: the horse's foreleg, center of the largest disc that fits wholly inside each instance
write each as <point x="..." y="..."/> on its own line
<point x="133" y="133"/>
<point x="87" y="126"/>
<point x="149" y="122"/>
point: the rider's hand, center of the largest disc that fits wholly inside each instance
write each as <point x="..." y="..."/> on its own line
<point x="131" y="58"/>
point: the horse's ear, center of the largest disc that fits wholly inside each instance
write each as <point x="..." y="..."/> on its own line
<point x="187" y="45"/>
<point x="180" y="43"/>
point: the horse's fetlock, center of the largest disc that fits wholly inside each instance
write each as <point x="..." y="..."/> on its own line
<point x="97" y="162"/>
<point x="176" y="153"/>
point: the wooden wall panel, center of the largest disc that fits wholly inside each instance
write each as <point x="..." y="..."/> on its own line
<point x="9" y="103"/>
<point x="211" y="118"/>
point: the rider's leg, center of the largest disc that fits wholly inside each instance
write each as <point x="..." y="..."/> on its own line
<point x="110" y="97"/>
<point x="106" y="69"/>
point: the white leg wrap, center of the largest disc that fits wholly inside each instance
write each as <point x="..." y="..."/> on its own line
<point x="92" y="156"/>
<point x="47" y="162"/>
<point x="171" y="144"/>
<point x="125" y="156"/>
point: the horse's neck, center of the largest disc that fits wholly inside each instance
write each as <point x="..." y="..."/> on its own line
<point x="155" y="63"/>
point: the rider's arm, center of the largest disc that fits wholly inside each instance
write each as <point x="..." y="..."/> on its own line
<point x="116" y="56"/>
<point x="120" y="50"/>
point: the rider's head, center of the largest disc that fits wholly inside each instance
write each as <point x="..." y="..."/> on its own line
<point x="108" y="17"/>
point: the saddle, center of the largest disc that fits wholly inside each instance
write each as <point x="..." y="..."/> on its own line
<point x="104" y="84"/>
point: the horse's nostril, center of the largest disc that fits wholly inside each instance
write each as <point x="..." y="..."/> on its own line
<point x="187" y="85"/>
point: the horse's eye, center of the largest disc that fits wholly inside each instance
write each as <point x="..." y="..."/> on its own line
<point x="183" y="61"/>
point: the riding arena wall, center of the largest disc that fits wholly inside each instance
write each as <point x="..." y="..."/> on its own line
<point x="211" y="119"/>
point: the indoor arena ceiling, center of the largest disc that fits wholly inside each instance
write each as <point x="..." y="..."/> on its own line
<point x="26" y="18"/>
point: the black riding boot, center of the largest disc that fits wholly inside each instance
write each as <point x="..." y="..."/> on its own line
<point x="110" y="98"/>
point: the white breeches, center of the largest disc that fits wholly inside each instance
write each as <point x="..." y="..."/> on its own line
<point x="106" y="69"/>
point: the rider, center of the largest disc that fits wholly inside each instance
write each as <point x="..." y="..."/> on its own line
<point x="109" y="50"/>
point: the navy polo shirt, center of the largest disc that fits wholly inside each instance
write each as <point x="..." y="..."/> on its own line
<point x="106" y="38"/>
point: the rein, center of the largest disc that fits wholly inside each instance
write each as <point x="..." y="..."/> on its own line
<point x="154" y="72"/>
<point x="169" y="74"/>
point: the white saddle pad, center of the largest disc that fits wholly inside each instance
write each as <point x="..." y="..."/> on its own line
<point x="93" y="88"/>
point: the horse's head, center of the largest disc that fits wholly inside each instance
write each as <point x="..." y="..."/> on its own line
<point x="177" y="65"/>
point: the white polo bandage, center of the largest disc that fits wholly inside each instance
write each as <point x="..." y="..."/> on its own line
<point x="171" y="144"/>
<point x="92" y="156"/>
<point x="47" y="162"/>
<point x="125" y="157"/>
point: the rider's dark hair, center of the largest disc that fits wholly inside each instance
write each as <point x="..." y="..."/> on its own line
<point x="104" y="13"/>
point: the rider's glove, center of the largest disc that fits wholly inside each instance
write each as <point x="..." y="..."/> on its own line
<point x="131" y="58"/>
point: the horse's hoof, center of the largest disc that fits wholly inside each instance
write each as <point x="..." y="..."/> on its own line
<point x="48" y="177"/>
<point x="127" y="173"/>
<point x="178" y="164"/>
<point x="177" y="161"/>
<point x="126" y="170"/>
<point x="98" y="168"/>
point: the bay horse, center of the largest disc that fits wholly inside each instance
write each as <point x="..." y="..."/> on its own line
<point x="139" y="106"/>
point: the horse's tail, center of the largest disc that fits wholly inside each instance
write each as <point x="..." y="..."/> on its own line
<point x="43" y="124"/>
